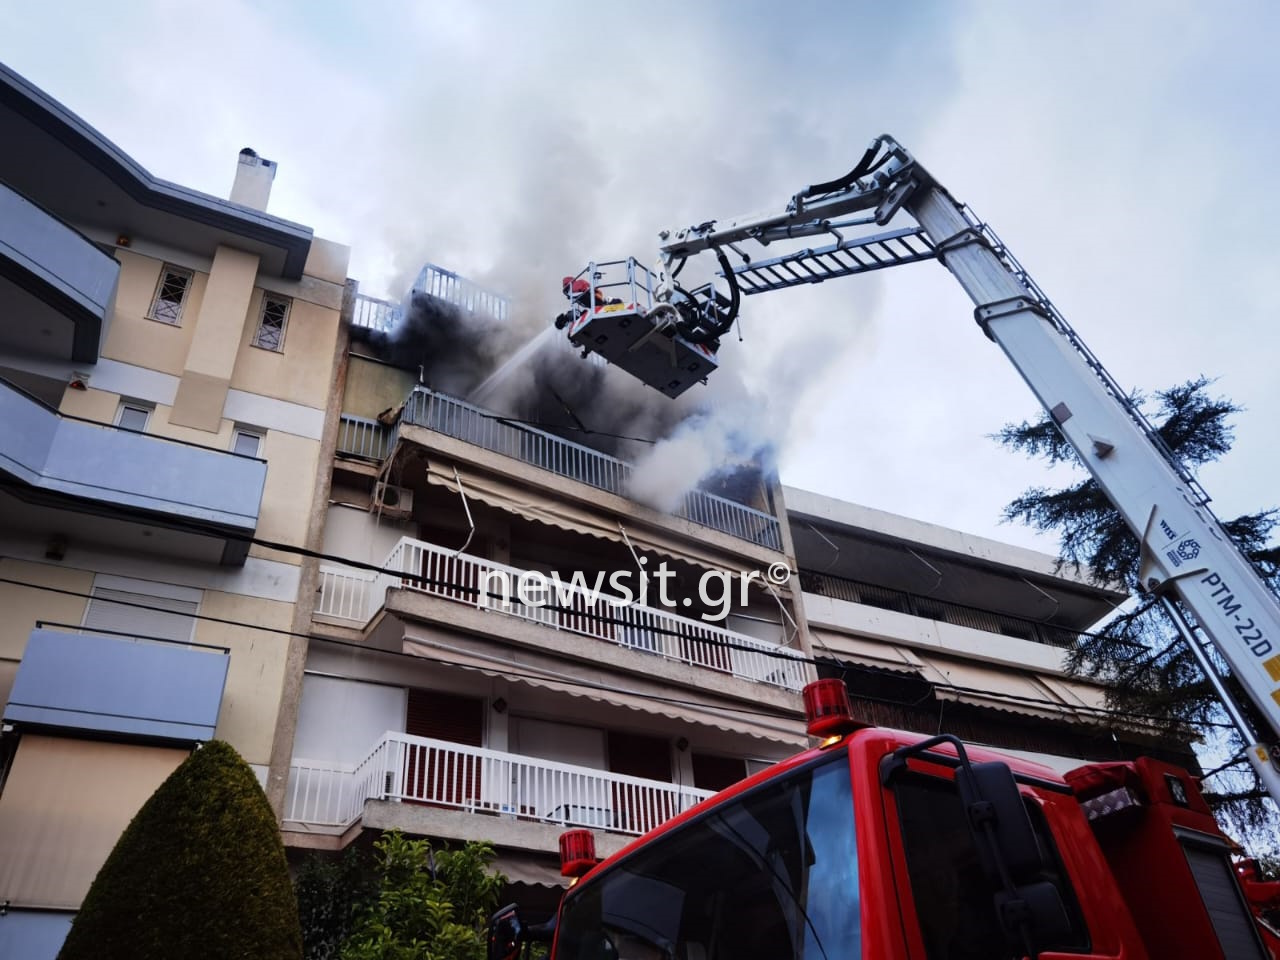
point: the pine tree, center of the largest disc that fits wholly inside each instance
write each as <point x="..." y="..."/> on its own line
<point x="1139" y="654"/>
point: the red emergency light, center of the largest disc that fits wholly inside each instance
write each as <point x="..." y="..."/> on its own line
<point x="577" y="852"/>
<point x="827" y="710"/>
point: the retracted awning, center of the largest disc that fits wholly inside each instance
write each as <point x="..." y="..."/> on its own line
<point x="632" y="693"/>
<point x="1014" y="691"/>
<point x="867" y="653"/>
<point x="559" y="512"/>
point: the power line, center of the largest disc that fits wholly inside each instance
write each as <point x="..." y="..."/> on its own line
<point x="1096" y="712"/>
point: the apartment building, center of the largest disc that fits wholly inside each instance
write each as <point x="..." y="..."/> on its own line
<point x="191" y="389"/>
<point x="165" y="362"/>
<point x="937" y="631"/>
<point x="448" y="691"/>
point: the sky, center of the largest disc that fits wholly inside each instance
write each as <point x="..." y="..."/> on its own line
<point x="1123" y="151"/>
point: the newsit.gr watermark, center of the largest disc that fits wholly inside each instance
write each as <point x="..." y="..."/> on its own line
<point x="718" y="590"/>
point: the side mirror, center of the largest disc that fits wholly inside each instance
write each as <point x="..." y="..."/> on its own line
<point x="1010" y="853"/>
<point x="506" y="934"/>
<point x="998" y="819"/>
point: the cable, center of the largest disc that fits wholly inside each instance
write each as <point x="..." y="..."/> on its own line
<point x="843" y="665"/>
<point x="367" y="649"/>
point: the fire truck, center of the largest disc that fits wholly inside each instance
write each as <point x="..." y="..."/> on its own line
<point x="881" y="844"/>
<point x="885" y="845"/>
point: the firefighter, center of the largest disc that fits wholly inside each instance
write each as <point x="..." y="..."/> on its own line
<point x="579" y="293"/>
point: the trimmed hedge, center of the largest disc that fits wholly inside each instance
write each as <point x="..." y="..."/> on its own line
<point x="199" y="873"/>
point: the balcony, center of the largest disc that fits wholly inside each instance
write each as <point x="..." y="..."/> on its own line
<point x="944" y="611"/>
<point x="403" y="768"/>
<point x="129" y="483"/>
<point x="355" y="596"/>
<point x="58" y="288"/>
<point x="114" y="684"/>
<point x="475" y="425"/>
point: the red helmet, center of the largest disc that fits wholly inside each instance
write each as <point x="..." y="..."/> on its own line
<point x="570" y="285"/>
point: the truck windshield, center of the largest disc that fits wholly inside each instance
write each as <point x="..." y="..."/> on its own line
<point x="771" y="875"/>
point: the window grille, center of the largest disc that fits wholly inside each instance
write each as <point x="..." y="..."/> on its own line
<point x="171" y="294"/>
<point x="271" y="323"/>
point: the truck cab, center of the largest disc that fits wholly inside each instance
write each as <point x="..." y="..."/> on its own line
<point x="878" y="844"/>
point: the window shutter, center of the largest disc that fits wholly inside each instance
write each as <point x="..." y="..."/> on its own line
<point x="167" y="619"/>
<point x="716" y="773"/>
<point x="445" y="716"/>
<point x="637" y="755"/>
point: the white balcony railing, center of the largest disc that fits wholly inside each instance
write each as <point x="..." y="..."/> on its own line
<point x="354" y="595"/>
<point x="412" y="769"/>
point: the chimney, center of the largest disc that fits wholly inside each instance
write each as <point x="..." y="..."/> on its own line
<point x="252" y="186"/>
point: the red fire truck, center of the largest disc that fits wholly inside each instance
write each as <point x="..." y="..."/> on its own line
<point x="881" y="844"/>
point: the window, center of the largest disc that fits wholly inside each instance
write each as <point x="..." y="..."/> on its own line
<point x="953" y="897"/>
<point x="133" y="416"/>
<point x="171" y="294"/>
<point x="271" y="322"/>
<point x="246" y="442"/>
<point x="772" y="873"/>
<point x="147" y="610"/>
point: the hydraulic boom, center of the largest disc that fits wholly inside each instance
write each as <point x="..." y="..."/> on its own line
<point x="1186" y="556"/>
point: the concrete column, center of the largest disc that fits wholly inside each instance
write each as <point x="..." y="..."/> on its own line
<point x="202" y="392"/>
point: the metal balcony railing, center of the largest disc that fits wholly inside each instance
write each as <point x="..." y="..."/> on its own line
<point x="946" y="611"/>
<point x="364" y="438"/>
<point x="353" y="595"/>
<point x="412" y="769"/>
<point x="472" y="424"/>
<point x="375" y="314"/>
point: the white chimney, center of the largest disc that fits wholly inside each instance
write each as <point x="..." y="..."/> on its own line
<point x="252" y="186"/>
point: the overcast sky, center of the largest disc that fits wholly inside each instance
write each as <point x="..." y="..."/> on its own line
<point x="1124" y="151"/>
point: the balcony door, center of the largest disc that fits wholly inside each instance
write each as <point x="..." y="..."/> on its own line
<point x="546" y="792"/>
<point x="439" y="775"/>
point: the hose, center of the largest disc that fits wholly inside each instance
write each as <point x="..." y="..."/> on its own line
<point x="860" y="170"/>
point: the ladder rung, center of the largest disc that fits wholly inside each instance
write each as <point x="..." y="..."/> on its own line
<point x="837" y="260"/>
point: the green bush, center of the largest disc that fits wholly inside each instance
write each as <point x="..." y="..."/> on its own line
<point x="332" y="893"/>
<point x="430" y="904"/>
<point x="199" y="874"/>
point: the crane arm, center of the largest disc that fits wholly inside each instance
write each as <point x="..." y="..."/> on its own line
<point x="1185" y="552"/>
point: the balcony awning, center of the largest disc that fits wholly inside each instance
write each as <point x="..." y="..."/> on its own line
<point x="544" y="671"/>
<point x="558" y="512"/>
<point x="867" y="653"/>
<point x="1014" y="691"/>
<point x="529" y="870"/>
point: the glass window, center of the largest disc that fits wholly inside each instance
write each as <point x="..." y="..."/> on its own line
<point x="246" y="442"/>
<point x="772" y="874"/>
<point x="171" y="294"/>
<point x="133" y="416"/>
<point x="271" y="323"/>
<point x="953" y="897"/>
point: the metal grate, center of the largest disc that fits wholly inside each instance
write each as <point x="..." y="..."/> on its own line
<point x="171" y="293"/>
<point x="272" y="320"/>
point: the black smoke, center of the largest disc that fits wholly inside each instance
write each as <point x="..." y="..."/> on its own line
<point x="451" y="349"/>
<point x="545" y="383"/>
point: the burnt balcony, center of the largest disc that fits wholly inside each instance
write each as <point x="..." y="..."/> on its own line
<point x="368" y="439"/>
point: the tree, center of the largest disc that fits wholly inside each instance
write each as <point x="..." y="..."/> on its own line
<point x="199" y="873"/>
<point x="332" y="893"/>
<point x="430" y="904"/>
<point x="1140" y="656"/>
